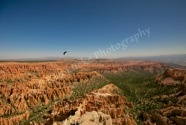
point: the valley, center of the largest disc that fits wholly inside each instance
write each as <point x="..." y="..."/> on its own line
<point x="97" y="92"/>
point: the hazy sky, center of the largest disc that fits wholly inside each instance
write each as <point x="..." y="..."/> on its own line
<point x="89" y="28"/>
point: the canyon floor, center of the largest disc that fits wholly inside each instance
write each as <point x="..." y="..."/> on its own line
<point x="92" y="92"/>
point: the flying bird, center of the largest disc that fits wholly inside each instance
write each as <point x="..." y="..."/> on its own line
<point x="64" y="52"/>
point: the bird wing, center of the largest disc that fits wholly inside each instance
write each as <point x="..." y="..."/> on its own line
<point x="64" y="52"/>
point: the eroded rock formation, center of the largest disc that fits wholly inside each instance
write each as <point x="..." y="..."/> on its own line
<point x="175" y="111"/>
<point x="29" y="91"/>
<point x="102" y="100"/>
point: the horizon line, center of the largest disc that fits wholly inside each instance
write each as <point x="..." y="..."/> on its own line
<point x="52" y="58"/>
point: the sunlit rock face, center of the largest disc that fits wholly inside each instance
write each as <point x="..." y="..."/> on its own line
<point x="102" y="100"/>
<point x="172" y="77"/>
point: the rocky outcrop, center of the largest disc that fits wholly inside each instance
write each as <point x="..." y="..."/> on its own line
<point x="172" y="77"/>
<point x="174" y="111"/>
<point x="102" y="100"/>
<point x="94" y="118"/>
<point x="168" y="116"/>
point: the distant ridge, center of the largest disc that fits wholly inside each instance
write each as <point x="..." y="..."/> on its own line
<point x="176" y="59"/>
<point x="173" y="60"/>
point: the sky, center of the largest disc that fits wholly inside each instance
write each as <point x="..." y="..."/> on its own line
<point x="91" y="28"/>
